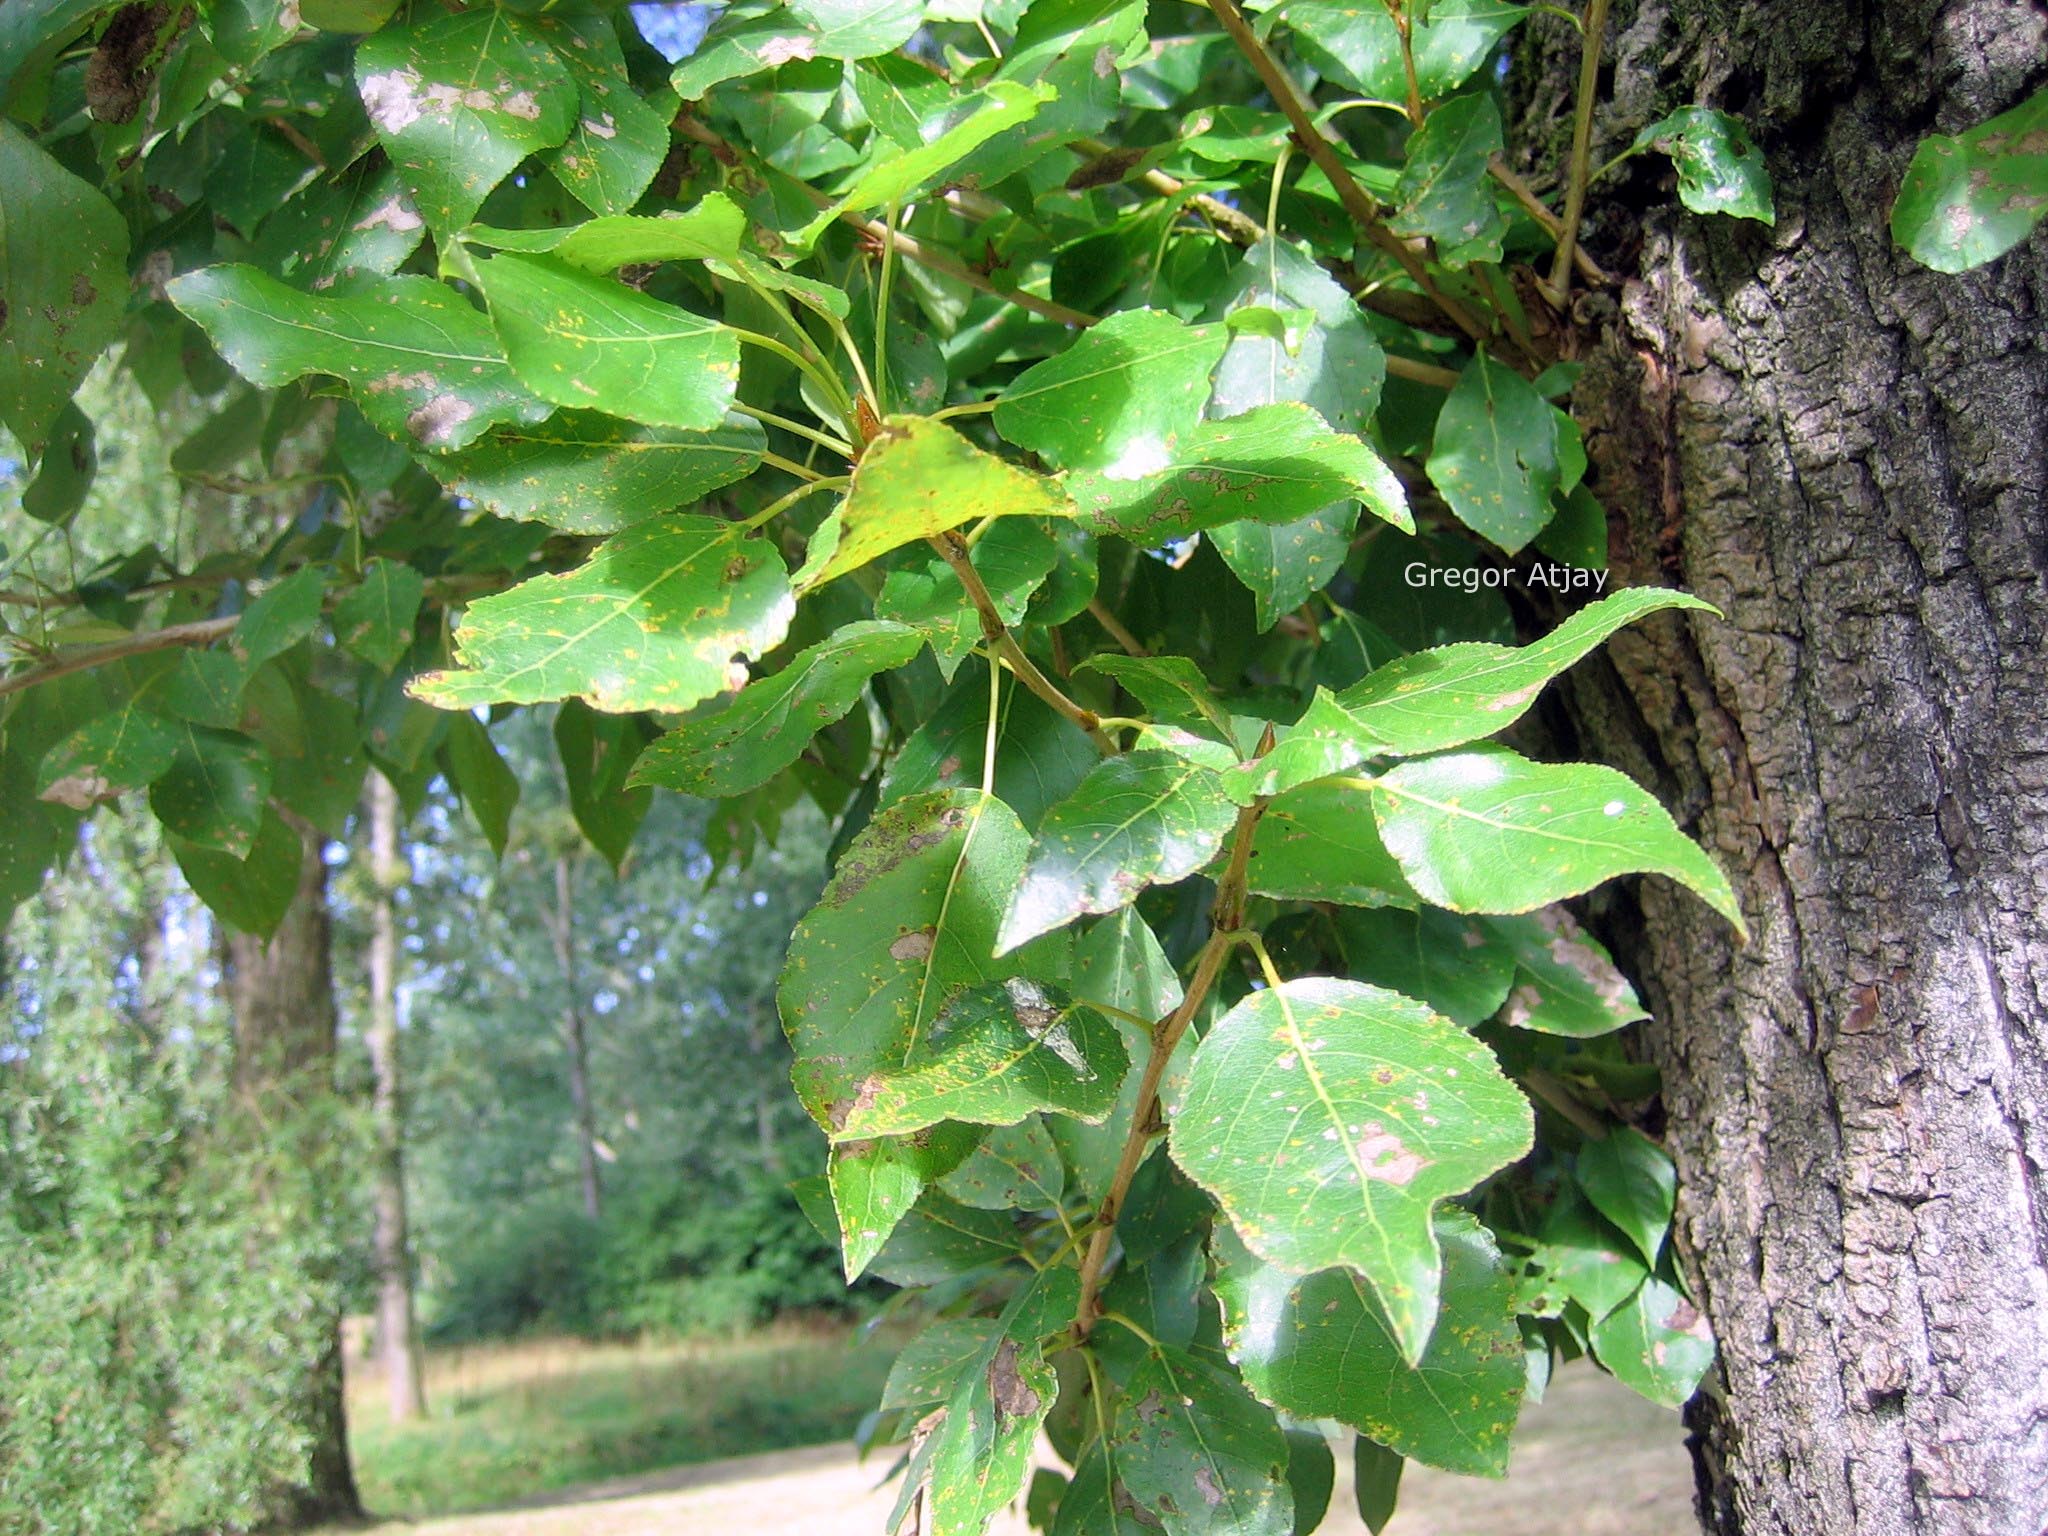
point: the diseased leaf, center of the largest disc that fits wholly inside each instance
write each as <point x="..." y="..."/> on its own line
<point x="1454" y="964"/>
<point x="1016" y="1167"/>
<point x="1970" y="197"/>
<point x="1484" y="830"/>
<point x="876" y="1184"/>
<point x="917" y="479"/>
<point x="1078" y="50"/>
<point x="1198" y="1453"/>
<point x="419" y="361"/>
<point x="1445" y="192"/>
<point x="1138" y="819"/>
<point x="1720" y="169"/>
<point x="361" y="222"/>
<point x="1276" y="464"/>
<point x="64" y="297"/>
<point x="251" y="892"/>
<point x="459" y="100"/>
<point x="744" y="41"/>
<point x="1444" y="698"/>
<point x="651" y="621"/>
<point x="929" y="1367"/>
<point x="1040" y="756"/>
<point x="375" y="619"/>
<point x="1119" y="399"/>
<point x="1657" y="1342"/>
<point x="278" y="620"/>
<point x="1360" y="45"/>
<point x="214" y="791"/>
<point x="1494" y="456"/>
<point x="582" y="340"/>
<point x="127" y="748"/>
<point x="1320" y="1347"/>
<point x="1565" y="982"/>
<point x="1329" y="1119"/>
<point x="1587" y="1258"/>
<point x="585" y="472"/>
<point x="767" y="724"/>
<point x="617" y="141"/>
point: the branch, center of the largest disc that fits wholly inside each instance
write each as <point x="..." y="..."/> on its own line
<point x="199" y="632"/>
<point x="1535" y="207"/>
<point x="1582" y="146"/>
<point x="953" y="550"/>
<point x="1359" y="203"/>
<point x="1226" y="914"/>
<point x="1113" y="626"/>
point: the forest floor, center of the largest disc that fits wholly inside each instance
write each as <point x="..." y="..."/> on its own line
<point x="1592" y="1460"/>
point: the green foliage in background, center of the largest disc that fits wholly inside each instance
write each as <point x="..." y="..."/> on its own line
<point x="1044" y="445"/>
<point x="149" y="1304"/>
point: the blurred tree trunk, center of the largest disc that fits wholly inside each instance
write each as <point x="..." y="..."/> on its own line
<point x="563" y="928"/>
<point x="398" y="1343"/>
<point x="281" y="992"/>
<point x="1847" y="454"/>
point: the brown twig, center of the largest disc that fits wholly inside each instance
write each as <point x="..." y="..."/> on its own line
<point x="953" y="550"/>
<point x="1114" y="628"/>
<point x="1535" y="207"/>
<point x="1359" y="203"/>
<point x="86" y="657"/>
<point x="1226" y="916"/>
<point x="1595" y="34"/>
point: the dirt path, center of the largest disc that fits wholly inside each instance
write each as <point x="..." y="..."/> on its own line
<point x="1592" y="1460"/>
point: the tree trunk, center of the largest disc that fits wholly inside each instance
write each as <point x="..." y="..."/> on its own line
<point x="564" y="929"/>
<point x="398" y="1342"/>
<point x="1847" y="454"/>
<point x="281" y="992"/>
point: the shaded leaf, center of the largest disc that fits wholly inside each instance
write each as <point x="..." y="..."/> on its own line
<point x="1198" y="1452"/>
<point x="374" y="620"/>
<point x="1455" y="964"/>
<point x="278" y="620"/>
<point x="1494" y="456"/>
<point x="1376" y="1481"/>
<point x="1720" y="169"/>
<point x="1319" y="842"/>
<point x="1445" y="192"/>
<point x="1040" y="756"/>
<point x="1631" y="1181"/>
<point x="488" y="787"/>
<point x="1565" y="981"/>
<point x="214" y="791"/>
<point x="1657" y="1342"/>
<point x="126" y="748"/>
<point x="252" y="892"/>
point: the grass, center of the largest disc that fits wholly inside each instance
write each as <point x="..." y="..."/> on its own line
<point x="506" y="1421"/>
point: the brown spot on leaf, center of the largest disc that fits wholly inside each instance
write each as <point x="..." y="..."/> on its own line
<point x="1383" y="1156"/>
<point x="912" y="946"/>
<point x="1015" y="1397"/>
<point x="436" y="423"/>
<point x="1205" y="1480"/>
<point x="123" y="65"/>
<point x="80" y="791"/>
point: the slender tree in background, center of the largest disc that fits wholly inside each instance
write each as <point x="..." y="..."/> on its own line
<point x="281" y="993"/>
<point x="398" y="1345"/>
<point x="562" y="930"/>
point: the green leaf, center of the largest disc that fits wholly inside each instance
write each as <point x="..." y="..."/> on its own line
<point x="597" y="753"/>
<point x="1142" y="818"/>
<point x="982" y="1448"/>
<point x="900" y="95"/>
<point x="1495" y="453"/>
<point x="1633" y="1184"/>
<point x="460" y="100"/>
<point x="1016" y="1167"/>
<point x="1329" y="1118"/>
<point x="1276" y="464"/>
<point x="711" y="229"/>
<point x="767" y="725"/>
<point x="1565" y="981"/>
<point x="1720" y="169"/>
<point x="1172" y="689"/>
<point x="1656" y="1342"/>
<point x="1040" y="756"/>
<point x="651" y="621"/>
<point x="420" y="362"/>
<point x="127" y="748"/>
<point x="1454" y="964"/>
<point x="64" y="297"/>
<point x="1970" y="197"/>
<point x="1319" y="842"/>
<point x="918" y="478"/>
<point x="1325" y="740"/>
<point x="1487" y="831"/>
<point x="1376" y="1481"/>
<point x="1360" y="45"/>
<point x="929" y="1366"/>
<point x="585" y="472"/>
<point x="1320" y="1347"/>
<point x="1585" y="1256"/>
<point x="250" y="893"/>
<point x="1311" y="1477"/>
<point x="214" y="791"/>
<point x="1198" y="1452"/>
<point x="906" y="928"/>
<point x="1077" y="47"/>
<point x="375" y="619"/>
<point x="279" y="619"/>
<point x="1013" y="559"/>
<point x="69" y="461"/>
<point x="581" y="340"/>
<point x="1119" y="399"/>
<point x="875" y="1187"/>
<point x="1446" y="193"/>
<point x="488" y="787"/>
<point x="1446" y="697"/>
<point x="617" y="141"/>
<point x="897" y="173"/>
<point x="744" y="41"/>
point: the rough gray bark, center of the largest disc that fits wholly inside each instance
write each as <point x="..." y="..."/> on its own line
<point x="1849" y="455"/>
<point x="281" y="992"/>
<point x="398" y="1340"/>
